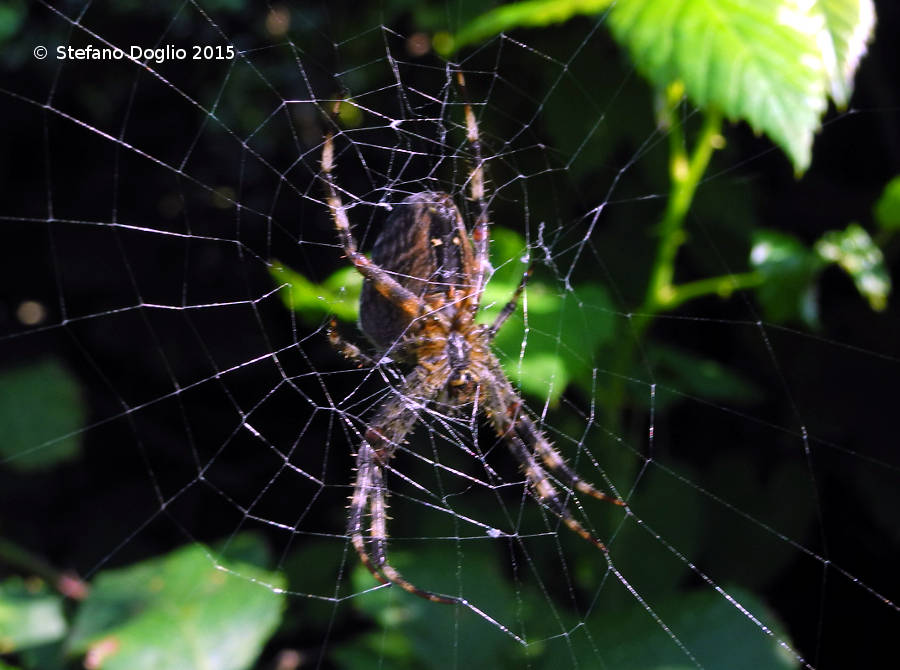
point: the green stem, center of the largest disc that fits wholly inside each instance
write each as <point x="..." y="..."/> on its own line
<point x="722" y="286"/>
<point x="685" y="173"/>
<point x="68" y="584"/>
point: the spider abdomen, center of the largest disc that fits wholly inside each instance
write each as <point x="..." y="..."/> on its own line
<point x="425" y="247"/>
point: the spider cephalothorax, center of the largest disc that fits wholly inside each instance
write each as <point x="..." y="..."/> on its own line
<point x="421" y="294"/>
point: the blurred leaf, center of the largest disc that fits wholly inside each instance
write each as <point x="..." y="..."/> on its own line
<point x="716" y="633"/>
<point x="337" y="295"/>
<point x="315" y="567"/>
<point x="849" y="24"/>
<point x="12" y="14"/>
<point x="674" y="511"/>
<point x="777" y="491"/>
<point x="887" y="208"/>
<point x="414" y="633"/>
<point x="564" y="332"/>
<point x="350" y="114"/>
<point x="40" y="416"/>
<point x="527" y="14"/>
<point x="854" y="250"/>
<point x="178" y="611"/>
<point x="694" y="375"/>
<point x="30" y="615"/>
<point x="790" y="270"/>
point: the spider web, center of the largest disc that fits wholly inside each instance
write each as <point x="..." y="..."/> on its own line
<point x="149" y="209"/>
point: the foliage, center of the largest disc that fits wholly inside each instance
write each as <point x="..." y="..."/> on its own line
<point x="769" y="63"/>
<point x="40" y="416"/>
<point x="184" y="610"/>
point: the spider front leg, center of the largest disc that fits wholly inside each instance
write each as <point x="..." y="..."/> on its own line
<point x="392" y="423"/>
<point x="480" y="231"/>
<point x="386" y="285"/>
<point x="347" y="349"/>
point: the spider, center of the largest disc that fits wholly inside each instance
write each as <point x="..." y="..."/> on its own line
<point x="422" y="290"/>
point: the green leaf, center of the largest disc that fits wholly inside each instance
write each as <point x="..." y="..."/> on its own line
<point x="30" y="615"/>
<point x="715" y="632"/>
<point x="337" y="295"/>
<point x="179" y="611"/>
<point x="768" y="62"/>
<point x="855" y="251"/>
<point x="413" y="633"/>
<point x="528" y="14"/>
<point x="757" y="61"/>
<point x="40" y="416"/>
<point x="887" y="209"/>
<point x="12" y="15"/>
<point x="790" y="270"/>
<point x="849" y="24"/>
<point x="564" y="329"/>
<point x="693" y="375"/>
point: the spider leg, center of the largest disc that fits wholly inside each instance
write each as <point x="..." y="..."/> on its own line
<point x="526" y="442"/>
<point x="530" y="434"/>
<point x="392" y="423"/>
<point x="509" y="417"/>
<point x="546" y="492"/>
<point x="476" y="194"/>
<point x="510" y="306"/>
<point x="347" y="349"/>
<point x="386" y="285"/>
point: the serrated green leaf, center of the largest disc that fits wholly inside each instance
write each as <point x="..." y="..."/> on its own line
<point x="757" y="61"/>
<point x="30" y="615"/>
<point x="527" y="14"/>
<point x="790" y="270"/>
<point x="849" y="24"/>
<point x="887" y="208"/>
<point x="855" y="251"/>
<point x="768" y="62"/>
<point x="40" y="416"/>
<point x="179" y="611"/>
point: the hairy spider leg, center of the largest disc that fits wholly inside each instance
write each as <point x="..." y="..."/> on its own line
<point x="347" y="349"/>
<point x="530" y="434"/>
<point x="524" y="439"/>
<point x="480" y="230"/>
<point x="390" y="426"/>
<point x="510" y="306"/>
<point x="386" y="285"/>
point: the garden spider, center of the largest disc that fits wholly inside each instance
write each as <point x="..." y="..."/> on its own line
<point x="421" y="293"/>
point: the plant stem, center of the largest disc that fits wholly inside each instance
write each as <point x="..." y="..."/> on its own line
<point x="685" y="173"/>
<point x="67" y="583"/>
